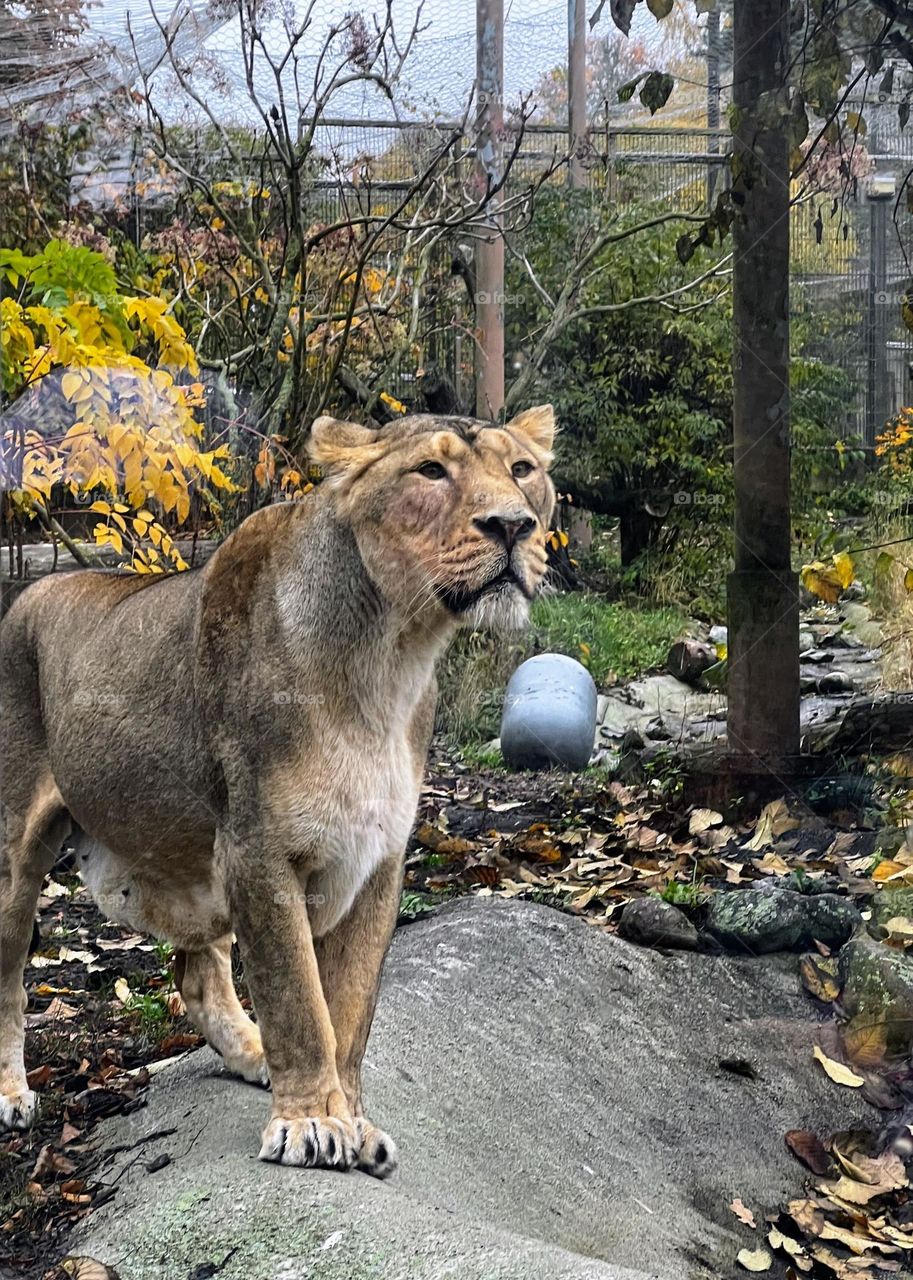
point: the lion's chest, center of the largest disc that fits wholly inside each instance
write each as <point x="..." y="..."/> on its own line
<point x="361" y="815"/>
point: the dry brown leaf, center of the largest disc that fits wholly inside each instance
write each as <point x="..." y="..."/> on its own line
<point x="439" y="841"/>
<point x="870" y="1177"/>
<point x="702" y="819"/>
<point x="743" y="1214"/>
<point x="865" y="1041"/>
<point x="836" y="1070"/>
<point x="892" y="870"/>
<point x="88" y="1269"/>
<point x="757" y="1260"/>
<point x="819" y="977"/>
<point x="808" y="1148"/>
<point x="855" y="1242"/>
<point x="774" y="821"/>
<point x="777" y="1240"/>
<point x="806" y="1214"/>
<point x="772" y="864"/>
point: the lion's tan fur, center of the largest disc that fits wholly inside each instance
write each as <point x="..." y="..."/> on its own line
<point x="243" y="748"/>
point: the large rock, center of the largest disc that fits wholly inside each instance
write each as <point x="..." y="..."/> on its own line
<point x="561" y="1107"/>
<point x="759" y="921"/>
<point x="878" y="988"/>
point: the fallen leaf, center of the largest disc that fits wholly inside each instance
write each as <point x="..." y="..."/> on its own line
<point x="836" y="1070"/>
<point x="865" y="1041"/>
<point x="819" y="977"/>
<point x="871" y="1177"/>
<point x="774" y="821"/>
<point x="743" y="1214"/>
<point x="39" y="1077"/>
<point x="777" y="1240"/>
<point x="702" y="819"/>
<point x="122" y="990"/>
<point x="88" y="1269"/>
<point x="759" y="1260"/>
<point x="808" y="1148"/>
<point x="83" y="957"/>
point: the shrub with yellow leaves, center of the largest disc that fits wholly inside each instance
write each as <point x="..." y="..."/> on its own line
<point x="90" y="376"/>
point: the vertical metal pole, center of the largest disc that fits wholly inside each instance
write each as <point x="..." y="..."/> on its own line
<point x="762" y="593"/>
<point x="713" y="95"/>
<point x="877" y="408"/>
<point x="576" y="91"/>
<point x="490" y="160"/>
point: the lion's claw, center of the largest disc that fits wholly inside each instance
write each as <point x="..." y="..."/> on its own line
<point x="315" y="1142"/>
<point x="377" y="1154"/>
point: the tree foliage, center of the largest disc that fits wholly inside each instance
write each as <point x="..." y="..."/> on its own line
<point x="102" y="376"/>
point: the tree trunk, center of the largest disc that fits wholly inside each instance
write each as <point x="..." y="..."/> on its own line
<point x="763" y="598"/>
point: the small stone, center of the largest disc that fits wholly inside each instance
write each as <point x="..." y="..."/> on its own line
<point x="689" y="659"/>
<point x="835" y="682"/>
<point x="719" y="635"/>
<point x="657" y="730"/>
<point x="780" y="920"/>
<point x="878" y="984"/>
<point x="806" y="642"/>
<point x="651" y="922"/>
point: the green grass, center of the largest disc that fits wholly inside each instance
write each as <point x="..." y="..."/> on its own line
<point x="614" y="640"/>
<point x="608" y="638"/>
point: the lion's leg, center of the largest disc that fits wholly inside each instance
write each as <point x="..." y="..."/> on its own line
<point x="311" y="1124"/>
<point x="204" y="980"/>
<point x="30" y="839"/>
<point x="350" y="957"/>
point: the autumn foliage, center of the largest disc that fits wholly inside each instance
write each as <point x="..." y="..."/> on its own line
<point x="104" y="403"/>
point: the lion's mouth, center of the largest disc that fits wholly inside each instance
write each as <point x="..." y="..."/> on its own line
<point x="460" y="599"/>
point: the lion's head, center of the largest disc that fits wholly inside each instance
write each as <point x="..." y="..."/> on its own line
<point x="450" y="514"/>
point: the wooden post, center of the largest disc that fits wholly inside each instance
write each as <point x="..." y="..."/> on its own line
<point x="489" y="298"/>
<point x="763" y="591"/>
<point x="576" y="91"/>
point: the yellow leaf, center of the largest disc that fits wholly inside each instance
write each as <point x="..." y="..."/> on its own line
<point x="908" y="580"/>
<point x="844" y="567"/>
<point x="70" y="383"/>
<point x="836" y="1070"/>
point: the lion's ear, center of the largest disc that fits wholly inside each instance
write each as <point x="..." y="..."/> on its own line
<point x="338" y="445"/>
<point x="538" y="424"/>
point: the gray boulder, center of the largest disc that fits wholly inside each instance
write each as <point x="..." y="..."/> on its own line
<point x="562" y="1107"/>
<point x="650" y="922"/>
<point x="760" y="921"/>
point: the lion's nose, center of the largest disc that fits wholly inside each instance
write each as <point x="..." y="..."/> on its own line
<point x="506" y="528"/>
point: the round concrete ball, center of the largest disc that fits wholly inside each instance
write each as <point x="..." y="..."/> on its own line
<point x="549" y="714"/>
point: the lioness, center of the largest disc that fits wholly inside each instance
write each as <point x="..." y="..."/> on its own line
<point x="243" y="748"/>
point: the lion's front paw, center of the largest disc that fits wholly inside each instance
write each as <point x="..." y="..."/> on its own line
<point x="249" y="1064"/>
<point x="316" y="1142"/>
<point x="17" y="1110"/>
<point x="377" y="1152"/>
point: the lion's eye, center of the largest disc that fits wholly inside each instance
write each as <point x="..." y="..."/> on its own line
<point x="432" y="471"/>
<point x="521" y="469"/>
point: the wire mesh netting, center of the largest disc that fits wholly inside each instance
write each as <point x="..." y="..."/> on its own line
<point x="373" y="136"/>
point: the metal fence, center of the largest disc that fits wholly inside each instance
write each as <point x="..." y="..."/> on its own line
<point x="850" y="270"/>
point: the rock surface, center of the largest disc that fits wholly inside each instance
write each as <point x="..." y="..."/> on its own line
<point x="560" y="1108"/>
<point x="763" y="920"/>
<point x="878" y="986"/>
<point x="650" y="922"/>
